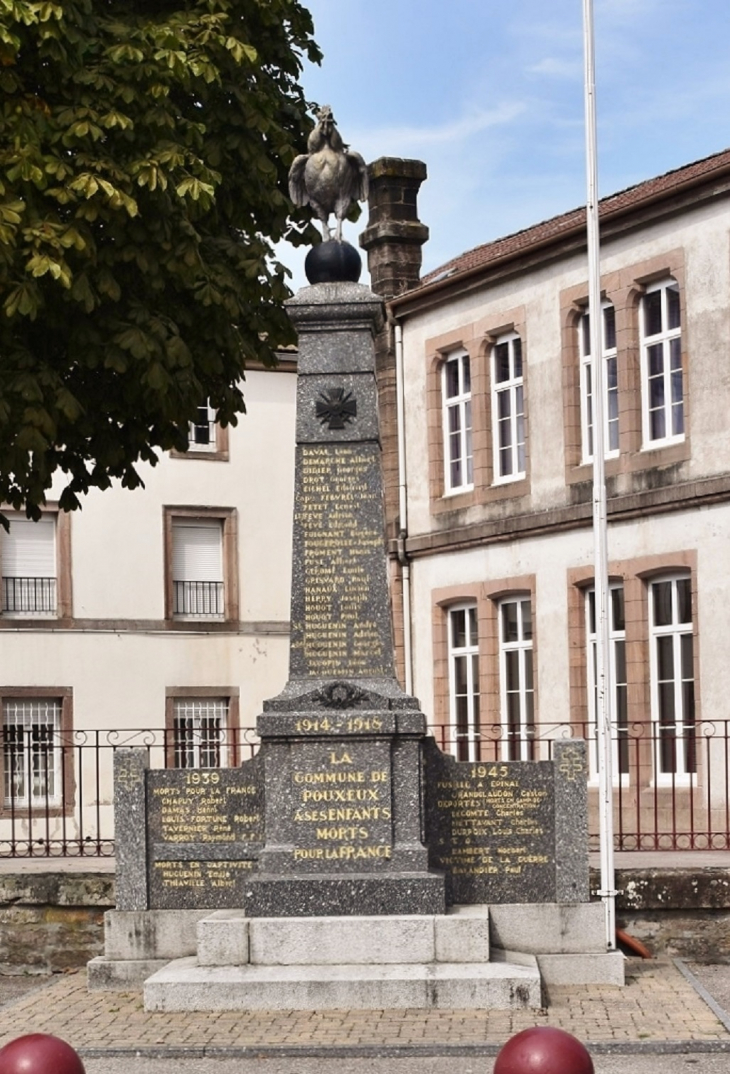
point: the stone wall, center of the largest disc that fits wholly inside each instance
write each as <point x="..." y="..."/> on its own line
<point x="681" y="912"/>
<point x="50" y="922"/>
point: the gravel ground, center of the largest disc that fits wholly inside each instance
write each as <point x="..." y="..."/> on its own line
<point x="716" y="979"/>
<point x="13" y="987"/>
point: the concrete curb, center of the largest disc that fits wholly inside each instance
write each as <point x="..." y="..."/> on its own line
<point x="396" y="1051"/>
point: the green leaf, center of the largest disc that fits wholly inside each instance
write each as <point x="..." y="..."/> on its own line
<point x="143" y="186"/>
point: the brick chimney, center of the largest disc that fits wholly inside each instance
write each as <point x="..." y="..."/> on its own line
<point x="393" y="240"/>
<point x="394" y="235"/>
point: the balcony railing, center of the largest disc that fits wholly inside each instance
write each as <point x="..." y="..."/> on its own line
<point x="32" y="596"/>
<point x="65" y="806"/>
<point x="198" y="600"/>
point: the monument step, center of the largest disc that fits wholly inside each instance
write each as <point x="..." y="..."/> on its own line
<point x="229" y="938"/>
<point x="325" y="894"/>
<point x="184" y="985"/>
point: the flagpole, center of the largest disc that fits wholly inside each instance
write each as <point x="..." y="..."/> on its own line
<point x="607" y="890"/>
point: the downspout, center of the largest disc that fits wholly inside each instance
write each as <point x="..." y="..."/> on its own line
<point x="403" y="509"/>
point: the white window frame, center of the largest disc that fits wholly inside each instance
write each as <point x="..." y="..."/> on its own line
<point x="193" y="720"/>
<point x="203" y="596"/>
<point x="29" y="564"/>
<point x="518" y="737"/>
<point x="32" y="773"/>
<point x="668" y="343"/>
<point x="457" y="425"/>
<point x="510" y="458"/>
<point x="209" y="421"/>
<point x="684" y="727"/>
<point x="610" y="359"/>
<point x="464" y="704"/>
<point x="616" y="638"/>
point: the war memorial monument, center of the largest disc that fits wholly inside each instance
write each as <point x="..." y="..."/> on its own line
<point x="350" y="863"/>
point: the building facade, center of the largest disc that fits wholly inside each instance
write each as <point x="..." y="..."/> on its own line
<point x="161" y="616"/>
<point x="494" y="518"/>
<point x="155" y="617"/>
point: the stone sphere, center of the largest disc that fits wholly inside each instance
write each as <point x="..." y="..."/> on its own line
<point x="39" y="1053"/>
<point x="333" y="262"/>
<point x="543" y="1050"/>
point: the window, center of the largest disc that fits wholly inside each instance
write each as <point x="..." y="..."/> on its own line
<point x="29" y="567"/>
<point x="616" y="678"/>
<point x="32" y="762"/>
<point x="661" y="364"/>
<point x="457" y="419"/>
<point x="672" y="676"/>
<point x="199" y="728"/>
<point x="516" y="678"/>
<point x="463" y="646"/>
<point x="508" y="408"/>
<point x="202" y="431"/>
<point x="201" y="564"/>
<point x="197" y="568"/>
<point x="610" y="373"/>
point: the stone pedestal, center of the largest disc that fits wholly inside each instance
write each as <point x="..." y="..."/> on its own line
<point x="342" y="743"/>
<point x="317" y="875"/>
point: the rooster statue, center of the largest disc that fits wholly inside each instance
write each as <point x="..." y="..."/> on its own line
<point x="330" y="176"/>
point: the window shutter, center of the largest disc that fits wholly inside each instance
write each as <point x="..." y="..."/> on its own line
<point x="29" y="549"/>
<point x="197" y="551"/>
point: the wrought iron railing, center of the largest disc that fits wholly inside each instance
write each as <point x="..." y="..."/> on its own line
<point x="35" y="596"/>
<point x="671" y="784"/>
<point x="654" y="809"/>
<point x="198" y="599"/>
<point x="73" y="815"/>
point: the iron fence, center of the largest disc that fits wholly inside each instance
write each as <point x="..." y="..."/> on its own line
<point x="58" y="789"/>
<point x="671" y="783"/>
<point x="659" y="803"/>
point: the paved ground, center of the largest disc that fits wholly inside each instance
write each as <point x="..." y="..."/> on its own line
<point x="660" y="1009"/>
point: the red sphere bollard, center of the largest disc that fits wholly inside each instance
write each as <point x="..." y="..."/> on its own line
<point x="39" y="1053"/>
<point x="541" y="1050"/>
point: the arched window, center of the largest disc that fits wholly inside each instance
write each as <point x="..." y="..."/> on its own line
<point x="463" y="647"/>
<point x="610" y="382"/>
<point x="516" y="677"/>
<point x="508" y="408"/>
<point x="457" y="423"/>
<point x="661" y="364"/>
<point x="672" y="676"/>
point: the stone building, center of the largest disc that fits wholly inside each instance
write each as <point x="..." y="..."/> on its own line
<point x="157" y="617"/>
<point x="490" y="510"/>
<point x="161" y="616"/>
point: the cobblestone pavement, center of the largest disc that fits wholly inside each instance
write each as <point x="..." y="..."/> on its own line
<point x="658" y="1005"/>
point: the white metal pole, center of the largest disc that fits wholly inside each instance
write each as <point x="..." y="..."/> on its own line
<point x="403" y="509"/>
<point x="600" y="522"/>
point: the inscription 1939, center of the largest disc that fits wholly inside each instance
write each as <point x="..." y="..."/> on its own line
<point x="205" y="828"/>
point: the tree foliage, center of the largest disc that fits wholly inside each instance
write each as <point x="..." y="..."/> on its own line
<point x="144" y="151"/>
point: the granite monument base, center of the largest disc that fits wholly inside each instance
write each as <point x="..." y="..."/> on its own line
<point x="472" y="956"/>
<point x="336" y="895"/>
<point x="413" y="961"/>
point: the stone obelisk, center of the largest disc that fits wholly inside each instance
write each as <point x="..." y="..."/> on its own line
<point x="344" y="816"/>
<point x="341" y="743"/>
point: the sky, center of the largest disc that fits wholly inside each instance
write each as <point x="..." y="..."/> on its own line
<point x="490" y="96"/>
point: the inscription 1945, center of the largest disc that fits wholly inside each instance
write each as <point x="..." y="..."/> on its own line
<point x="492" y="829"/>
